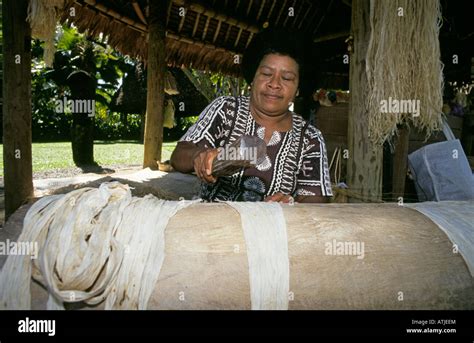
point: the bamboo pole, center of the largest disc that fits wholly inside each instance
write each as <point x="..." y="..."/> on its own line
<point x="17" y="156"/>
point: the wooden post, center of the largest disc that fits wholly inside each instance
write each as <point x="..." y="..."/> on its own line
<point x="155" y="84"/>
<point x="364" y="169"/>
<point x="400" y="162"/>
<point x="18" y="171"/>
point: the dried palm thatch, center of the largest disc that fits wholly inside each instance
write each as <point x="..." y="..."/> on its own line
<point x="403" y="63"/>
<point x="131" y="38"/>
<point x="42" y="16"/>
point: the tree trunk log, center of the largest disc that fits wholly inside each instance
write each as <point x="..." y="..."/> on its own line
<point x="155" y="85"/>
<point x="17" y="159"/>
<point x="365" y="159"/>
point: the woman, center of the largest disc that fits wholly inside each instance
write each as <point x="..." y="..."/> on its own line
<point x="295" y="167"/>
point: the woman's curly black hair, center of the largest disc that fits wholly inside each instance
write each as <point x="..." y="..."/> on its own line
<point x="273" y="41"/>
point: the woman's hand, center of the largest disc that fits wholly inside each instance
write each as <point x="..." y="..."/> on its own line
<point x="280" y="197"/>
<point x="202" y="161"/>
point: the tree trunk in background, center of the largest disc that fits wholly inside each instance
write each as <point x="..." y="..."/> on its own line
<point x="156" y="70"/>
<point x="83" y="87"/>
<point x="364" y="169"/>
<point x="17" y="159"/>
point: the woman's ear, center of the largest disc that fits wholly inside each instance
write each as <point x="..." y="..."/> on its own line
<point x="297" y="93"/>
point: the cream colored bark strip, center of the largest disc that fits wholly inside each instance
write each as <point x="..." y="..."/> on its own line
<point x="95" y="245"/>
<point x="265" y="234"/>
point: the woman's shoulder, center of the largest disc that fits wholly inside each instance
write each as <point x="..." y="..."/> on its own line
<point x="311" y="132"/>
<point x="229" y="102"/>
<point x="231" y="99"/>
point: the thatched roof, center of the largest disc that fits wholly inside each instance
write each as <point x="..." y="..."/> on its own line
<point x="211" y="32"/>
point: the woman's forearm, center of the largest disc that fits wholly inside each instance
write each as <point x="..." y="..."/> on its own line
<point x="182" y="158"/>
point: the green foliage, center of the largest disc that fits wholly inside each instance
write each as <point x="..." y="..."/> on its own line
<point x="77" y="52"/>
<point x="186" y="122"/>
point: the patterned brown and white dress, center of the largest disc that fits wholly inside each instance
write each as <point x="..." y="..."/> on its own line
<point x="296" y="161"/>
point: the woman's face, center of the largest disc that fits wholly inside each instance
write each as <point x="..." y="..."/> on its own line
<point x="275" y="84"/>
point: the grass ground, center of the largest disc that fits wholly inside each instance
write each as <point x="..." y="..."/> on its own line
<point x="58" y="155"/>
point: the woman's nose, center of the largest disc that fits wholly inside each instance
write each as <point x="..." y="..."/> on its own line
<point x="274" y="82"/>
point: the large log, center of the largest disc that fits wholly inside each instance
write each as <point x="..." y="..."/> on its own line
<point x="408" y="261"/>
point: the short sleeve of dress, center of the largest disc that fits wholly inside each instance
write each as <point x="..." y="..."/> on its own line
<point x="313" y="176"/>
<point x="210" y="128"/>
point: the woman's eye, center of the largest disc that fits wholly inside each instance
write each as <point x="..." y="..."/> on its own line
<point x="266" y="74"/>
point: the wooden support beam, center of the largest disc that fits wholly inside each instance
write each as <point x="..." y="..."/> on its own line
<point x="198" y="8"/>
<point x="364" y="167"/>
<point x="156" y="71"/>
<point x="300" y="10"/>
<point x="139" y="12"/>
<point x="179" y="38"/>
<point x="282" y="9"/>
<point x="271" y="10"/>
<point x="326" y="11"/>
<point x="217" y="31"/>
<point x="181" y="23"/>
<point x="301" y="22"/>
<point x="17" y="157"/>
<point x="168" y="12"/>
<point x="331" y="36"/>
<point x="400" y="162"/>
<point x="249" y="7"/>
<point x="238" y="38"/>
<point x="260" y="10"/>
<point x="204" y="32"/>
<point x="249" y="40"/>
<point x="111" y="13"/>
<point x="196" y="23"/>
<point x="287" y="15"/>
<point x="313" y="16"/>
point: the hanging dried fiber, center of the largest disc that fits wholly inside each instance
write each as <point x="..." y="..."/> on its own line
<point x="403" y="63"/>
<point x="170" y="84"/>
<point x="43" y="16"/>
